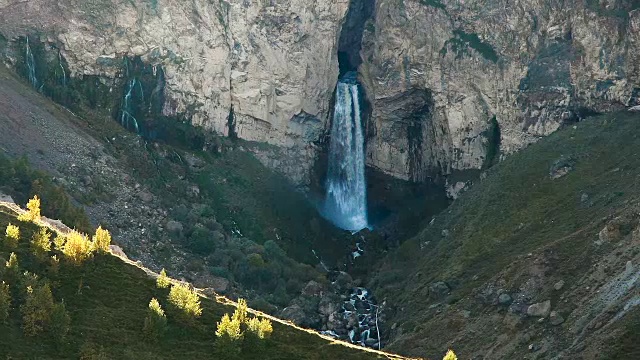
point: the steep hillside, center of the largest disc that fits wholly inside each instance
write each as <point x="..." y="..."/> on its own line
<point x="557" y="222"/>
<point x="199" y="205"/>
<point x="107" y="299"/>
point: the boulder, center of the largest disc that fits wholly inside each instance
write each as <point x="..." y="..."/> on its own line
<point x="6" y="198"/>
<point x="539" y="309"/>
<point x="219" y="284"/>
<point x="313" y="288"/>
<point x="117" y="251"/>
<point x="555" y="319"/>
<point x="505" y="299"/>
<point x="610" y="232"/>
<point x="174" y="227"/>
<point x="439" y="290"/>
<point x="343" y="281"/>
<point x="328" y="306"/>
<point x="370" y="342"/>
<point x="145" y="196"/>
<point x="629" y="268"/>
<point x="561" y="168"/>
<point x="294" y="313"/>
<point x="559" y="285"/>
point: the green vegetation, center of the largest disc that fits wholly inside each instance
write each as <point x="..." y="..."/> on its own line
<point x="621" y="10"/>
<point x="163" y="281"/>
<point x="41" y="244"/>
<point x="434" y="3"/>
<point x="493" y="137"/>
<point x="33" y="213"/>
<point x="12" y="264"/>
<point x="252" y="331"/>
<point x="101" y="240"/>
<point x="517" y="209"/>
<point x="228" y="328"/>
<point x="260" y="328"/>
<point x="19" y="180"/>
<point x="462" y="41"/>
<point x="76" y="247"/>
<point x="60" y="322"/>
<point x="155" y="324"/>
<point x="185" y="300"/>
<point x="12" y="236"/>
<point x="625" y="344"/>
<point x="5" y="301"/>
<point x="37" y="309"/>
<point x="104" y="291"/>
<point x="450" y="356"/>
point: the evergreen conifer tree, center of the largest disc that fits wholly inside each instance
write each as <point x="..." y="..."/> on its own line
<point x="186" y="300"/>
<point x="41" y="244"/>
<point x="102" y="240"/>
<point x="5" y="301"/>
<point x="156" y="321"/>
<point x="37" y="309"/>
<point x="163" y="281"/>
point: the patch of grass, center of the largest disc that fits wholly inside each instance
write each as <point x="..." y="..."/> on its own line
<point x="462" y="41"/>
<point x="625" y="346"/>
<point x="434" y="3"/>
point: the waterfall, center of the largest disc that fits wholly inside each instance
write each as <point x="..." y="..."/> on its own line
<point x="31" y="66"/>
<point x="126" y="116"/>
<point x="346" y="201"/>
<point x="64" y="73"/>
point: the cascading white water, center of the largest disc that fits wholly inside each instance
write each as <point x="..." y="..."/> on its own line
<point x="31" y="65"/>
<point x="64" y="73"/>
<point x="346" y="201"/>
<point x="126" y="117"/>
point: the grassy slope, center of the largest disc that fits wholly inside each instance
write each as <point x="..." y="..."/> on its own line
<point x="107" y="300"/>
<point x="518" y="209"/>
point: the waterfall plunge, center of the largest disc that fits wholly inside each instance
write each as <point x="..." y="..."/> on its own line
<point x="346" y="202"/>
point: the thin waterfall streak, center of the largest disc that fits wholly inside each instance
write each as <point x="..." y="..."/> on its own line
<point x="346" y="201"/>
<point x="64" y="73"/>
<point x="141" y="91"/>
<point x="31" y="65"/>
<point x="126" y="116"/>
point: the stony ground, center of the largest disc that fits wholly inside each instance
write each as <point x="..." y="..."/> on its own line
<point x="55" y="140"/>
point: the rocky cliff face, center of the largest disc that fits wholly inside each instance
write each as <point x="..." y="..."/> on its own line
<point x="452" y="84"/>
<point x="442" y="74"/>
<point x="262" y="71"/>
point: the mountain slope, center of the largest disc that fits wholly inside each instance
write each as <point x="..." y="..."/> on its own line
<point x="107" y="301"/>
<point x="559" y="222"/>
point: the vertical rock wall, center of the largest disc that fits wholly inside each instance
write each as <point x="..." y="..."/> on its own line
<point x="274" y="63"/>
<point x="436" y="71"/>
<point x="533" y="65"/>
